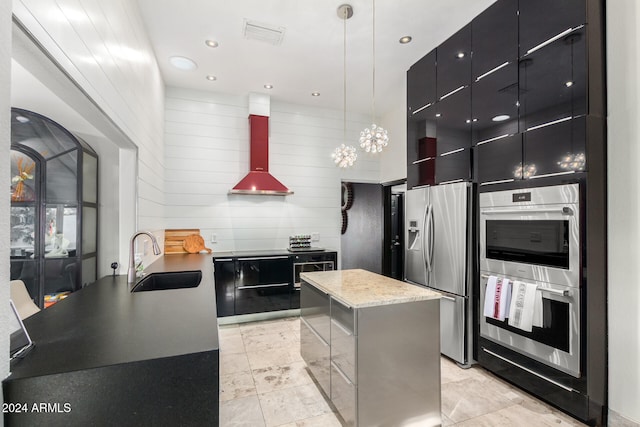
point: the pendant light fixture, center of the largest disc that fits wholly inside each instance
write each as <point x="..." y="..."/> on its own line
<point x="345" y="155"/>
<point x="374" y="139"/>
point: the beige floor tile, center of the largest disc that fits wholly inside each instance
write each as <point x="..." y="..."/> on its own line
<point x="446" y="421"/>
<point x="279" y="377"/>
<point x="271" y="341"/>
<point x="325" y="420"/>
<point x="233" y="344"/>
<point x="228" y="331"/>
<point x="267" y="327"/>
<point x="521" y="416"/>
<point x="236" y="385"/>
<point x="450" y="372"/>
<point x="233" y="362"/>
<point x="274" y="357"/>
<point x="292" y="404"/>
<point x="466" y="399"/>
<point x="243" y="412"/>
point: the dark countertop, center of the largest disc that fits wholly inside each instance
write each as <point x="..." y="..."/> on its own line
<point x="266" y="253"/>
<point x="105" y="324"/>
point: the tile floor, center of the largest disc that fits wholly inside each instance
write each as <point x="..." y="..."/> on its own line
<point x="263" y="382"/>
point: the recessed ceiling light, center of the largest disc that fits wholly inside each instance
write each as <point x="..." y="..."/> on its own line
<point x="211" y="78"/>
<point x="501" y="118"/>
<point x="460" y="55"/>
<point x="211" y="43"/>
<point x="438" y="115"/>
<point x="268" y="86"/>
<point x="468" y="120"/>
<point x="183" y="63"/>
<point x="405" y="39"/>
<point x="315" y="93"/>
<point x="475" y="120"/>
<point x="569" y="84"/>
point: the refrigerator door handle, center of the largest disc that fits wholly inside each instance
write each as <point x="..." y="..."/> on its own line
<point x="432" y="235"/>
<point x="428" y="247"/>
<point x="424" y="240"/>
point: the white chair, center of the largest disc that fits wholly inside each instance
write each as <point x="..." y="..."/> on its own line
<point x="22" y="300"/>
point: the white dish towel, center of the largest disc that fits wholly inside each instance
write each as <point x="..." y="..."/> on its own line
<point x="523" y="305"/>
<point x="497" y="298"/>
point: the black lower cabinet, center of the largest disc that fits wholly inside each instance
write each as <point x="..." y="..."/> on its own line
<point x="225" y="277"/>
<point x="256" y="299"/>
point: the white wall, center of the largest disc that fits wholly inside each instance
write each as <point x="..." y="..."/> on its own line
<point x="103" y="47"/>
<point x="393" y="163"/>
<point x="623" y="69"/>
<point x="207" y="153"/>
<point x="5" y="143"/>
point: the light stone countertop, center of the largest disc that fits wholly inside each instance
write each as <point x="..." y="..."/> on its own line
<point x="361" y="288"/>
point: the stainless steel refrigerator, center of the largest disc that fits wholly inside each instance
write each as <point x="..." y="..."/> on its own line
<point x="439" y="254"/>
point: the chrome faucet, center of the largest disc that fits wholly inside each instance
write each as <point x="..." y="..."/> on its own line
<point x="131" y="272"/>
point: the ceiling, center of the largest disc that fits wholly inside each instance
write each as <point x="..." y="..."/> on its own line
<point x="310" y="55"/>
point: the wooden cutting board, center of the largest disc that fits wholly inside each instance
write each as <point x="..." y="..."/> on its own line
<point x="174" y="240"/>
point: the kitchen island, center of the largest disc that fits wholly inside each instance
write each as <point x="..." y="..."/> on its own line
<point x="372" y="344"/>
<point x="107" y="356"/>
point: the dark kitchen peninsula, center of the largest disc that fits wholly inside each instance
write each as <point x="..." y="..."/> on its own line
<point x="122" y="358"/>
<point x="261" y="281"/>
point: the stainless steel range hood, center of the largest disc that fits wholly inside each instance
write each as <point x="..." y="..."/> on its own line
<point x="259" y="181"/>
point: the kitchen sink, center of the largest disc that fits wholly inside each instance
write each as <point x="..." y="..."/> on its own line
<point x="169" y="280"/>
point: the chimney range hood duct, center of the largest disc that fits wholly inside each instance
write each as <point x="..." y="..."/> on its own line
<point x="259" y="181"/>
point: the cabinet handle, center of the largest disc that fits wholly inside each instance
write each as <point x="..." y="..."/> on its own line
<point x="313" y="331"/>
<point x="223" y="259"/>
<point x="274" y="285"/>
<point x="262" y="258"/>
<point x="342" y="328"/>
<point x="448" y="298"/>
<point x="344" y="377"/>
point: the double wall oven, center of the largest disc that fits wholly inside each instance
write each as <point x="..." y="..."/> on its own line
<point x="533" y="235"/>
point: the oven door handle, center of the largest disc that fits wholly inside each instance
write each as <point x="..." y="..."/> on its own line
<point x="563" y="293"/>
<point x="565" y="210"/>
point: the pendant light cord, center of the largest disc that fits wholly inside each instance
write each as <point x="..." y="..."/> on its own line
<point x="373" y="91"/>
<point x="344" y="75"/>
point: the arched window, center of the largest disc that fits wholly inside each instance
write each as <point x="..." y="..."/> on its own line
<point x="54" y="208"/>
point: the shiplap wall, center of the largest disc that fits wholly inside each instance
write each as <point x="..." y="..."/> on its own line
<point x="103" y="47"/>
<point x="207" y="153"/>
<point x="5" y="143"/>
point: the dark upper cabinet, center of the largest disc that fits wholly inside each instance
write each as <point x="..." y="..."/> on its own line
<point x="421" y="84"/>
<point x="553" y="81"/>
<point x="421" y="147"/>
<point x="494" y="37"/>
<point x="494" y="105"/>
<point x="542" y="20"/>
<point x="454" y="166"/>
<point x="454" y="122"/>
<point x="555" y="148"/>
<point x="499" y="160"/>
<point x="454" y="62"/>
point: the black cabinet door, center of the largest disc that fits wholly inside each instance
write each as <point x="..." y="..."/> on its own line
<point x="454" y="122"/>
<point x="543" y="20"/>
<point x="454" y="167"/>
<point x="494" y="105"/>
<point x="454" y="62"/>
<point x="421" y="147"/>
<point x="557" y="148"/>
<point x="225" y="274"/>
<point x="262" y="284"/>
<point x="421" y="83"/>
<point x="499" y="160"/>
<point x="553" y="82"/>
<point x="494" y="38"/>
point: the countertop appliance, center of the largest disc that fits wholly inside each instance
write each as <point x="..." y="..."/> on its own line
<point x="439" y="254"/>
<point x="533" y="235"/>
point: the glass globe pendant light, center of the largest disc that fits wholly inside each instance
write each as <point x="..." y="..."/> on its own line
<point x="345" y="155"/>
<point x="374" y="139"/>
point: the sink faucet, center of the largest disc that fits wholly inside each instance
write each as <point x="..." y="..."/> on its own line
<point x="131" y="272"/>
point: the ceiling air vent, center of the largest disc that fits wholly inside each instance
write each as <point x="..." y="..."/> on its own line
<point x="263" y="32"/>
